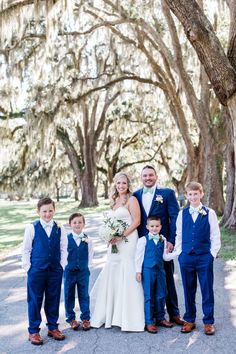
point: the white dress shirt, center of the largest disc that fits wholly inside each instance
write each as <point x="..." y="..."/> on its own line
<point x="140" y="250"/>
<point x="78" y="239"/>
<point x="28" y="241"/>
<point x="147" y="200"/>
<point x="214" y="231"/>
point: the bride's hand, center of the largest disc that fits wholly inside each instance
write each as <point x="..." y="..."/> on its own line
<point x="113" y="241"/>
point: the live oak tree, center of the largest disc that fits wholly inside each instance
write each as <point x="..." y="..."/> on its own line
<point x="138" y="26"/>
<point x="220" y="69"/>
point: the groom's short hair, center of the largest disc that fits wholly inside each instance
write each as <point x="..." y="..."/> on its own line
<point x="150" y="167"/>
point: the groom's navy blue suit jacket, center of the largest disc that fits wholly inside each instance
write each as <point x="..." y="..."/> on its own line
<point x="167" y="211"/>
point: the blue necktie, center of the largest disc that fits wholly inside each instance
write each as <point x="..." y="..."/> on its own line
<point x="148" y="190"/>
<point x="153" y="237"/>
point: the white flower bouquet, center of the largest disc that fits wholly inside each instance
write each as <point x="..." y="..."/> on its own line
<point x="113" y="228"/>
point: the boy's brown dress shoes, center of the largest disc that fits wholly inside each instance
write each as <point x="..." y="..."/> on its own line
<point x="151" y="328"/>
<point x="86" y="325"/>
<point x="35" y="339"/>
<point x="177" y="319"/>
<point x="188" y="327"/>
<point x="56" y="334"/>
<point x="74" y="325"/>
<point x="209" y="329"/>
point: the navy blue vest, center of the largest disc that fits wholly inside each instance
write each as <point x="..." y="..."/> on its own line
<point x="77" y="255"/>
<point x="195" y="236"/>
<point x="153" y="254"/>
<point x="46" y="250"/>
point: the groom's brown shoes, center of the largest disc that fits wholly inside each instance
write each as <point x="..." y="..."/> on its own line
<point x="177" y="319"/>
<point x="35" y="339"/>
<point x="188" y="327"/>
<point x="151" y="328"/>
<point x="164" y="323"/>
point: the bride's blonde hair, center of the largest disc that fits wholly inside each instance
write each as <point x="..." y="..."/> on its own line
<point x="114" y="193"/>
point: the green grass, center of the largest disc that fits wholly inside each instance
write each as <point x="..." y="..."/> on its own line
<point x="15" y="215"/>
<point x="228" y="244"/>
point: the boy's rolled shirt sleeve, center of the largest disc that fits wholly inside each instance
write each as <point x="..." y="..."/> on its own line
<point x="63" y="247"/>
<point x="214" y="233"/>
<point x="26" y="248"/>
<point x="170" y="255"/>
<point x="173" y="210"/>
<point x="178" y="239"/>
<point x="139" y="255"/>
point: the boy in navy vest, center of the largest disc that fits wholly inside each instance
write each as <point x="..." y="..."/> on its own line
<point x="197" y="243"/>
<point x="44" y="256"/>
<point x="151" y="250"/>
<point x="80" y="254"/>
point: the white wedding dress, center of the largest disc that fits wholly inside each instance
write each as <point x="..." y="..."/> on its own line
<point x="116" y="295"/>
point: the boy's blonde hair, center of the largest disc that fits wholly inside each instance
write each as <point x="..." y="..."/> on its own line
<point x="194" y="186"/>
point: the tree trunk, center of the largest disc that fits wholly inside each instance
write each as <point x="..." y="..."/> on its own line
<point x="230" y="173"/>
<point x="58" y="193"/>
<point x="87" y="178"/>
<point x="231" y="222"/>
<point x="88" y="191"/>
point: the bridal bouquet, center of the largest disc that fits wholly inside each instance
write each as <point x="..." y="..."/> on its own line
<point x="112" y="228"/>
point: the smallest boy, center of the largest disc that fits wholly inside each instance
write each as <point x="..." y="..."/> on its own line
<point x="197" y="244"/>
<point x="44" y="256"/>
<point x="151" y="250"/>
<point x="80" y="254"/>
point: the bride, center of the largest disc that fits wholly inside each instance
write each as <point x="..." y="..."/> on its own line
<point x="117" y="295"/>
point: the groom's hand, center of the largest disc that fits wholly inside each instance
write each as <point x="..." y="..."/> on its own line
<point x="138" y="277"/>
<point x="170" y="247"/>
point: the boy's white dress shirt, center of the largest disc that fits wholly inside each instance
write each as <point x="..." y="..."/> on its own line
<point x="214" y="230"/>
<point x="28" y="241"/>
<point x="140" y="250"/>
<point x="78" y="239"/>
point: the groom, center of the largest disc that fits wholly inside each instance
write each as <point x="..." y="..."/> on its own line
<point x="155" y="201"/>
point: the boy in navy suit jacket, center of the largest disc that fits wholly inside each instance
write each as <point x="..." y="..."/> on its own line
<point x="197" y="244"/>
<point x="155" y="201"/>
<point x="80" y="253"/>
<point x="44" y="256"/>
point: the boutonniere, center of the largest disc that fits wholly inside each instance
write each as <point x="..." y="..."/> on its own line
<point x="202" y="212"/>
<point x="159" y="199"/>
<point x="85" y="239"/>
<point x="161" y="238"/>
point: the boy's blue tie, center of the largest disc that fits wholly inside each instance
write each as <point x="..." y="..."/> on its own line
<point x="148" y="190"/>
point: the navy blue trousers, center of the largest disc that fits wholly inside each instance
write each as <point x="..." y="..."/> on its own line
<point x="43" y="283"/>
<point x="76" y="279"/>
<point x="154" y="287"/>
<point x="201" y="266"/>
<point x="171" y="299"/>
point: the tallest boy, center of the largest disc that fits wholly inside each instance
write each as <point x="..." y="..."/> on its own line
<point x="155" y="201"/>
